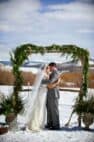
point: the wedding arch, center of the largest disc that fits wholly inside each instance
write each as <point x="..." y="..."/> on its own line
<point x="21" y="53"/>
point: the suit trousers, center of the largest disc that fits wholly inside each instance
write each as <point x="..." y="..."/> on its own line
<point x="52" y="108"/>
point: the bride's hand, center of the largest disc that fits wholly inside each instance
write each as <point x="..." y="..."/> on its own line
<point x="53" y="85"/>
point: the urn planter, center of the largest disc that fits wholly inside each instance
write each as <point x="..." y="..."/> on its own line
<point x="88" y="119"/>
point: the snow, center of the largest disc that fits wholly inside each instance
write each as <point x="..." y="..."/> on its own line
<point x="29" y="69"/>
<point x="66" y="134"/>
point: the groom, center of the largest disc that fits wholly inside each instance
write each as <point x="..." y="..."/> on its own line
<point x="52" y="98"/>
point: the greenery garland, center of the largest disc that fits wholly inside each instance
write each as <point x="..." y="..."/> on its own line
<point x="21" y="53"/>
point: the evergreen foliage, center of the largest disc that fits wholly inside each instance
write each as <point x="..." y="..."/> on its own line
<point x="7" y="106"/>
<point x="84" y="106"/>
<point x="21" y="53"/>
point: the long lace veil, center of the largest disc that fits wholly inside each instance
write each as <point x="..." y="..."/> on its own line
<point x="29" y="103"/>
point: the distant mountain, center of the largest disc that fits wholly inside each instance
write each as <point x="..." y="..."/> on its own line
<point x="26" y="63"/>
<point x="91" y="59"/>
<point x="71" y="63"/>
<point x="5" y="63"/>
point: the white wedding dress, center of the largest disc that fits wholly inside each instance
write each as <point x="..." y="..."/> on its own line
<point x="38" y="115"/>
<point x="35" y="108"/>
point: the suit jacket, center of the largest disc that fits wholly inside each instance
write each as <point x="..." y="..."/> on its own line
<point x="52" y="79"/>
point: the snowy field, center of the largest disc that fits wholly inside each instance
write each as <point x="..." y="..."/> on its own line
<point x="66" y="134"/>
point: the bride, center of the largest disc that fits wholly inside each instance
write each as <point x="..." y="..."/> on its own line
<point x="37" y="120"/>
<point x="35" y="108"/>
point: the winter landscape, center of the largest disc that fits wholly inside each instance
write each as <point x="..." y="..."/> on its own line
<point x="34" y="33"/>
<point x="72" y="133"/>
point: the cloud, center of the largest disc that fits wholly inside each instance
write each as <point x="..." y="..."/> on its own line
<point x="86" y="1"/>
<point x="4" y="51"/>
<point x="86" y="31"/>
<point x="6" y="28"/>
<point x="28" y="21"/>
<point x="71" y="11"/>
<point x="24" y="16"/>
<point x="17" y="14"/>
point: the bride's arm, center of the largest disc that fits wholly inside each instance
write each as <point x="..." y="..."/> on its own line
<point x="53" y="85"/>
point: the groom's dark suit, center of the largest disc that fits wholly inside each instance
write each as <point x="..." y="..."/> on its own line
<point x="52" y="102"/>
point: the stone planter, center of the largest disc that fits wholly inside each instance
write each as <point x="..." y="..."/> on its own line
<point x="3" y="129"/>
<point x="10" y="117"/>
<point x="88" y="119"/>
<point x="11" y="120"/>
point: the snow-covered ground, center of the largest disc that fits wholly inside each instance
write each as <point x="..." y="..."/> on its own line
<point x="66" y="134"/>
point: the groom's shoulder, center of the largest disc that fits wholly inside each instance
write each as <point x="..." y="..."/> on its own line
<point x="55" y="73"/>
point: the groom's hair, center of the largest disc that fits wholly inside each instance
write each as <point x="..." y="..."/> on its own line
<point x="53" y="64"/>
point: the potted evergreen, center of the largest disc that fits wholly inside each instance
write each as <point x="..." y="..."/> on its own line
<point x="85" y="108"/>
<point x="10" y="110"/>
<point x="3" y="126"/>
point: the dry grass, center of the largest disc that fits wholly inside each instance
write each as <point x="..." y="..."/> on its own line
<point x="7" y="78"/>
<point x="72" y="79"/>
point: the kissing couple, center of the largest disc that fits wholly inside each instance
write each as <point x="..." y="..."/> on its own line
<point x="44" y="112"/>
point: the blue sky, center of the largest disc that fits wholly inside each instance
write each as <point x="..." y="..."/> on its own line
<point x="46" y="22"/>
